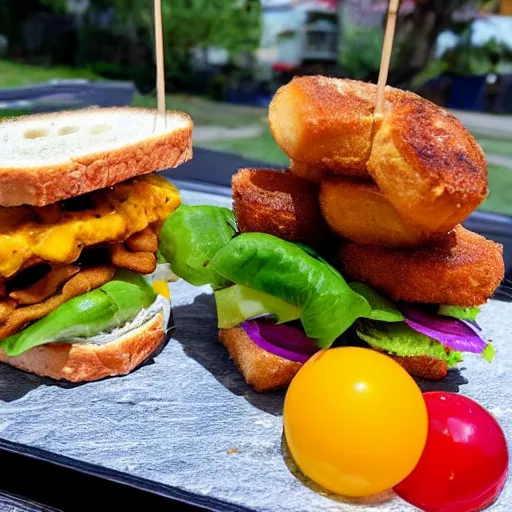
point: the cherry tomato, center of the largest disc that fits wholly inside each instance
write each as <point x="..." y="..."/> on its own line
<point x="464" y="465"/>
<point x="355" y="421"/>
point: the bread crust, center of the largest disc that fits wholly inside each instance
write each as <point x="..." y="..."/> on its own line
<point x="429" y="368"/>
<point x="80" y="362"/>
<point x="39" y="186"/>
<point x="464" y="269"/>
<point x="260" y="369"/>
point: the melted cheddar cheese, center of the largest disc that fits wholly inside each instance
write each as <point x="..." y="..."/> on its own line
<point x="118" y="212"/>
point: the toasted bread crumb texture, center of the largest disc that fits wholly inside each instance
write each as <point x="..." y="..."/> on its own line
<point x="47" y="158"/>
<point x="261" y="369"/>
<point x="427" y="165"/>
<point x="81" y="362"/>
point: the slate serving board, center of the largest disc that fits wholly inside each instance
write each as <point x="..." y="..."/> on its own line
<point x="188" y="420"/>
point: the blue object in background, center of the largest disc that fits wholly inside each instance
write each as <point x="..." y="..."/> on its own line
<point x="467" y="92"/>
<point x="67" y="94"/>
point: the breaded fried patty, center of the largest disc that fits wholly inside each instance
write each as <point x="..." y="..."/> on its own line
<point x="280" y="204"/>
<point x="315" y="173"/>
<point x="427" y="164"/>
<point x="357" y="210"/>
<point x="463" y="270"/>
<point x="322" y="121"/>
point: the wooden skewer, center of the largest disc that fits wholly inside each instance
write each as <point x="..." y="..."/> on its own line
<point x="385" y="59"/>
<point x="160" y="71"/>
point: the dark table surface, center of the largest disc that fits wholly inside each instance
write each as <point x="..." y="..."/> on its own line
<point x="30" y="483"/>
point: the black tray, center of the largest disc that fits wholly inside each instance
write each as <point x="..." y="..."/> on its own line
<point x="77" y="438"/>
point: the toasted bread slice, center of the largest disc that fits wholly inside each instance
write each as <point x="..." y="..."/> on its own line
<point x="81" y="362"/>
<point x="464" y="269"/>
<point x="266" y="372"/>
<point x="261" y="369"/>
<point x="50" y="157"/>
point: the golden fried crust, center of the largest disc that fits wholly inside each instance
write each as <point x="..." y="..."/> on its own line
<point x="464" y="269"/>
<point x="280" y="204"/>
<point x="261" y="369"/>
<point x="81" y="362"/>
<point x="357" y="210"/>
<point x="325" y="121"/>
<point x="429" y="368"/>
<point x="314" y="173"/>
<point x="427" y="164"/>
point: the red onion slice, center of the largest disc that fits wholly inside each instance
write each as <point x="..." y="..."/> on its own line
<point x="282" y="340"/>
<point x="450" y="332"/>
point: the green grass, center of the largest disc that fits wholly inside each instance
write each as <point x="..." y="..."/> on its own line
<point x="495" y="146"/>
<point x="500" y="185"/>
<point x="262" y="148"/>
<point x="206" y="112"/>
<point x="14" y="74"/>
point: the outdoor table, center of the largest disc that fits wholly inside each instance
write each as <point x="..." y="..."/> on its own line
<point x="38" y="480"/>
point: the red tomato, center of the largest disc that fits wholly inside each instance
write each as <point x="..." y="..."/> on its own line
<point x="464" y="465"/>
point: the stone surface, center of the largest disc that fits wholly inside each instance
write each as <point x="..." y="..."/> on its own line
<point x="188" y="419"/>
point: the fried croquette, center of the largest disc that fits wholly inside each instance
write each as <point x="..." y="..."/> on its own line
<point x="260" y="369"/>
<point x="320" y="121"/>
<point x="280" y="204"/>
<point x="427" y="164"/>
<point x="314" y="173"/>
<point x="464" y="269"/>
<point x="424" y="161"/>
<point x="357" y="210"/>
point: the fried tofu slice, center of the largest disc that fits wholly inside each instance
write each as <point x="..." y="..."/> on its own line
<point x="427" y="164"/>
<point x="280" y="204"/>
<point x="260" y="369"/>
<point x="463" y="269"/>
<point x="320" y="121"/>
<point x="358" y="210"/>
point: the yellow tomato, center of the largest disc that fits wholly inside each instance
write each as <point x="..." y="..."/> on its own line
<point x="162" y="288"/>
<point x="355" y="421"/>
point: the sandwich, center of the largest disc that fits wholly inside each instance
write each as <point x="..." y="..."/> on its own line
<point x="83" y="288"/>
<point x="359" y="242"/>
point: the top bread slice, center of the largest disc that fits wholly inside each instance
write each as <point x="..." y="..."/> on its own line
<point x="50" y="157"/>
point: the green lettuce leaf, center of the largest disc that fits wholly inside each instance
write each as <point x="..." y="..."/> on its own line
<point x="284" y="270"/>
<point x="237" y="303"/>
<point x="399" y="339"/>
<point x="191" y="236"/>
<point x="100" y="310"/>
<point x="382" y="309"/>
<point x="459" y="312"/>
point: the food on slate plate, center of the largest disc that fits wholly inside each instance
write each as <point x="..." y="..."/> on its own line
<point x="83" y="290"/>
<point x="414" y="287"/>
<point x="354" y="421"/>
<point x="474" y="456"/>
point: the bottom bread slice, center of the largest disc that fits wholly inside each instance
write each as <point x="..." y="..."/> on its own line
<point x="261" y="369"/>
<point x="80" y="362"/>
<point x="265" y="371"/>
